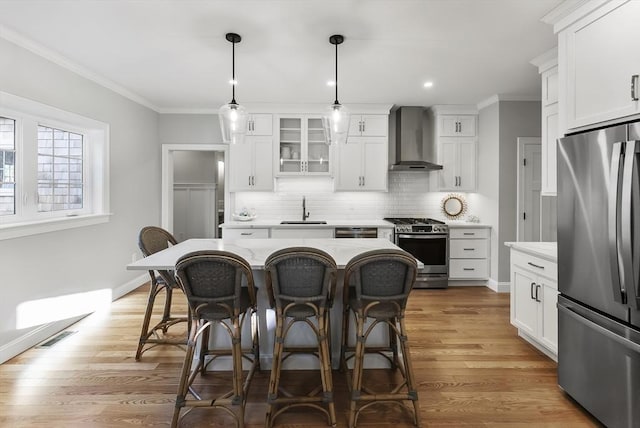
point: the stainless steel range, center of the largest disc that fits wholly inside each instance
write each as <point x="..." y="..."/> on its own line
<point x="428" y="241"/>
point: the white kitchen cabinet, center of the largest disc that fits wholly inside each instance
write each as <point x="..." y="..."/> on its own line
<point x="457" y="126"/>
<point x="260" y="124"/>
<point x="302" y="146"/>
<point x="302" y="232"/>
<point x="468" y="253"/>
<point x="362" y="164"/>
<point x="599" y="62"/>
<point x="245" y="233"/>
<point x="250" y="166"/>
<point x="534" y="294"/>
<point x="458" y="159"/>
<point x="369" y="125"/>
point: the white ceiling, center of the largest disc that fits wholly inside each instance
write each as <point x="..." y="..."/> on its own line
<point x="172" y="54"/>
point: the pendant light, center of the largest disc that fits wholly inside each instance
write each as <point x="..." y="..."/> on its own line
<point x="336" y="118"/>
<point x="233" y="117"/>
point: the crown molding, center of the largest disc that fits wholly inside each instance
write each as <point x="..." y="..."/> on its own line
<point x="46" y="53"/>
<point x="570" y="11"/>
<point x="506" y="97"/>
<point x="546" y="61"/>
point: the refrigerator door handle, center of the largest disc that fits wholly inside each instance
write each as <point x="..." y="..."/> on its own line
<point x="614" y="216"/>
<point x="626" y="219"/>
<point x="600" y="329"/>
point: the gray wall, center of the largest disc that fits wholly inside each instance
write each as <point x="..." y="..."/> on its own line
<point x="189" y="129"/>
<point x="88" y="258"/>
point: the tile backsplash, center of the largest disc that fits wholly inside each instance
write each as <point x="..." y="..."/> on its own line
<point x="408" y="196"/>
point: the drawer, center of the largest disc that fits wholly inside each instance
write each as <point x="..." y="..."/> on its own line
<point x="468" y="269"/>
<point x="468" y="233"/>
<point x="534" y="264"/>
<point x="245" y="233"/>
<point x="468" y="248"/>
<point x="304" y="233"/>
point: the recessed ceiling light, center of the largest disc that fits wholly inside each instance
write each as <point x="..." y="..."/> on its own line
<point x="331" y="83"/>
<point x="428" y="84"/>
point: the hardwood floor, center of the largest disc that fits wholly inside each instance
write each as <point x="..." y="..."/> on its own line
<point x="472" y="369"/>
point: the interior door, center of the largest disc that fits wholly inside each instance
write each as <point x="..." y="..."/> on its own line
<point x="529" y="187"/>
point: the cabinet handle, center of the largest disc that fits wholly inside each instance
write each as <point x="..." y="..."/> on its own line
<point x="468" y="233"/>
<point x="537" y="289"/>
<point x="634" y="87"/>
<point x="363" y="180"/>
<point x="249" y="180"/>
<point x="468" y="269"/>
<point x="361" y="126"/>
<point x="246" y="233"/>
<point x="253" y="180"/>
<point x="469" y="249"/>
<point x="535" y="265"/>
<point x="531" y="291"/>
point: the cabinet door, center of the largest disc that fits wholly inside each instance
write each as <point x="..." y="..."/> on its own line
<point x="375" y="125"/>
<point x="466" y="165"/>
<point x="548" y="333"/>
<point x="549" y="147"/>
<point x="349" y="166"/>
<point x="241" y="166"/>
<point x="448" y="125"/>
<point x="524" y="308"/>
<point x="602" y="56"/>
<point x="466" y="126"/>
<point x="355" y="125"/>
<point x="263" y="165"/>
<point x="317" y="152"/>
<point x="290" y="147"/>
<point x="448" y="158"/>
<point x="375" y="168"/>
<point x="260" y="124"/>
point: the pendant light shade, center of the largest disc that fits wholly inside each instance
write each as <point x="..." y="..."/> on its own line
<point x="336" y="118"/>
<point x="233" y="117"/>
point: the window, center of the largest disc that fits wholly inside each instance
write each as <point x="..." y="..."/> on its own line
<point x="53" y="169"/>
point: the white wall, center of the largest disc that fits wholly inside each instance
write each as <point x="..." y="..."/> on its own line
<point x="89" y="258"/>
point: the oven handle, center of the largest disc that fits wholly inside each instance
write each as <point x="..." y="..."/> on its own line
<point x="423" y="236"/>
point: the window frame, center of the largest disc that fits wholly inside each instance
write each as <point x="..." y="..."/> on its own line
<point x="27" y="220"/>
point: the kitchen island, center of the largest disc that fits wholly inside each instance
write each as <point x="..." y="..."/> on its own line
<point x="256" y="251"/>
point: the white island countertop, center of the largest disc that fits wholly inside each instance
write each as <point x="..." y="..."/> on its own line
<point x="276" y="223"/>
<point x="545" y="250"/>
<point x="256" y="251"/>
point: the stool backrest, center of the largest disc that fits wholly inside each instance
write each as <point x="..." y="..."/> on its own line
<point x="153" y="239"/>
<point x="385" y="275"/>
<point x="212" y="280"/>
<point x="300" y="274"/>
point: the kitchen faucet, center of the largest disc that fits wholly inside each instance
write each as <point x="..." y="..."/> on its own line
<point x="305" y="214"/>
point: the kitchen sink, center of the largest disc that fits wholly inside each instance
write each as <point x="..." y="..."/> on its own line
<point x="303" y="222"/>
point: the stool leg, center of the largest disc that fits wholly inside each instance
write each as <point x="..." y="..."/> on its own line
<point x="344" y="339"/>
<point x="356" y="383"/>
<point x="166" y="314"/>
<point x="274" y="379"/>
<point x="183" y="387"/>
<point x="411" y="382"/>
<point x="237" y="368"/>
<point x="325" y="365"/>
<point x="144" y="331"/>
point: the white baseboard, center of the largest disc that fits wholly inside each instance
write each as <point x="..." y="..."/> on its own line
<point x="499" y="287"/>
<point x="33" y="337"/>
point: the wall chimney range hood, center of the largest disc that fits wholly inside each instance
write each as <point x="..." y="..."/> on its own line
<point x="411" y="153"/>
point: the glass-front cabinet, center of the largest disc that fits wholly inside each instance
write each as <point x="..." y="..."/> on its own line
<point x="302" y="146"/>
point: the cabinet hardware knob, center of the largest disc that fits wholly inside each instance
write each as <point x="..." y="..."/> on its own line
<point x="634" y="87"/>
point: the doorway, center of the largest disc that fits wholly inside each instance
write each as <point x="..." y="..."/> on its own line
<point x="194" y="195"/>
<point x="529" y="187"/>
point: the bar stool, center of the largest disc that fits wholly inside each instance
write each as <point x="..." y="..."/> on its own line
<point x="213" y="283"/>
<point x="151" y="240"/>
<point x="376" y="288"/>
<point x="301" y="284"/>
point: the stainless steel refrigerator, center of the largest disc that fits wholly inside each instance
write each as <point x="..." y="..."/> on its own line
<point x="598" y="272"/>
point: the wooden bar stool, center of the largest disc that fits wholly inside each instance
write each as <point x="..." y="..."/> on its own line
<point x="151" y="240"/>
<point x="301" y="283"/>
<point x="213" y="283"/>
<point x="376" y="288"/>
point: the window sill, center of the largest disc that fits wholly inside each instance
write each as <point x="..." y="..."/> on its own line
<point x="17" y="230"/>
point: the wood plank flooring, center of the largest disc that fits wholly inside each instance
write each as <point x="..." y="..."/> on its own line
<point x="472" y="369"/>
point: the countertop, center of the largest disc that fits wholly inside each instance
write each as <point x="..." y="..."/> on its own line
<point x="275" y="223"/>
<point x="545" y="250"/>
<point x="256" y="251"/>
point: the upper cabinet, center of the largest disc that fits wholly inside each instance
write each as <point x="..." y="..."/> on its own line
<point x="457" y="126"/>
<point x="362" y="164"/>
<point x="260" y="124"/>
<point x="456" y="142"/>
<point x="547" y="64"/>
<point x="250" y="165"/>
<point x="599" y="63"/>
<point x="302" y="148"/>
<point x="369" y="125"/>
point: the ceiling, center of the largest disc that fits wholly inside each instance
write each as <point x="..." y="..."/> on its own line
<point x="172" y="55"/>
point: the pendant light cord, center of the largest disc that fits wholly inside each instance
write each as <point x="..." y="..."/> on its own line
<point x="336" y="101"/>
<point x="233" y="73"/>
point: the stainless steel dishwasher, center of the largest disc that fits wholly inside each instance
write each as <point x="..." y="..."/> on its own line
<point x="356" y="232"/>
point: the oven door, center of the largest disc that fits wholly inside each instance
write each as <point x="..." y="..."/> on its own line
<point x="431" y="249"/>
